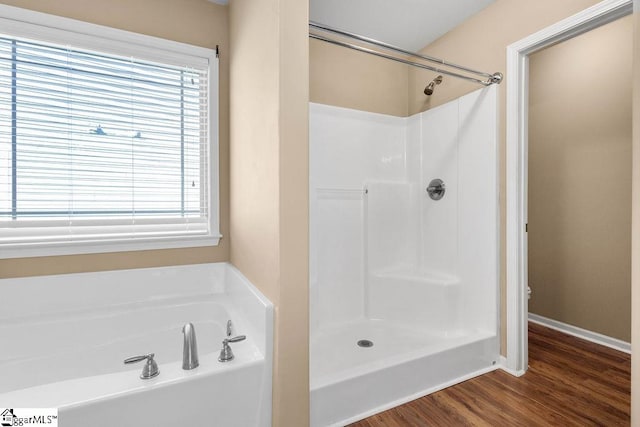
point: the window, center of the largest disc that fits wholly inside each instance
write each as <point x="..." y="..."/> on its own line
<point x="107" y="140"/>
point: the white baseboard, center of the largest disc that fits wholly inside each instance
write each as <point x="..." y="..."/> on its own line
<point x="594" y="337"/>
<point x="503" y="366"/>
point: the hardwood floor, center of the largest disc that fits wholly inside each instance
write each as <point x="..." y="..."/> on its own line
<point x="570" y="382"/>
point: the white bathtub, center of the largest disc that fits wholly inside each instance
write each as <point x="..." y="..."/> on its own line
<point x="64" y="339"/>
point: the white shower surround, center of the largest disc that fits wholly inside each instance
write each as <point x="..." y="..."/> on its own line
<point x="417" y="277"/>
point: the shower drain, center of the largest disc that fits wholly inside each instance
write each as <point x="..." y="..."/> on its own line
<point x="365" y="343"/>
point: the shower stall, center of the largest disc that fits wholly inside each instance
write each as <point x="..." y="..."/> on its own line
<point x="404" y="290"/>
<point x="404" y="287"/>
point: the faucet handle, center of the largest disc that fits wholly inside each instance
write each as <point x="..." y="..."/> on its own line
<point x="150" y="369"/>
<point x="136" y="359"/>
<point x="226" y="354"/>
<point x="235" y="339"/>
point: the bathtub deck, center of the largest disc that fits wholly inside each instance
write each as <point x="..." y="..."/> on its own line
<point x="569" y="382"/>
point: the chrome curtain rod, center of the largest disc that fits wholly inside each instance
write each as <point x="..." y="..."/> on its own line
<point x="491" y="78"/>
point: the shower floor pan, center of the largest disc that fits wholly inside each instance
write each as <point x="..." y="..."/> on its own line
<point x="350" y="382"/>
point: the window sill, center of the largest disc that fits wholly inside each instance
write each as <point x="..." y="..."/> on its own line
<point x="96" y="247"/>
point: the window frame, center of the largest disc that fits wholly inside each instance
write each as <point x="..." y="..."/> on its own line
<point x="47" y="28"/>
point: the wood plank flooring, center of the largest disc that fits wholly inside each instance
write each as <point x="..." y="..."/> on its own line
<point x="570" y="382"/>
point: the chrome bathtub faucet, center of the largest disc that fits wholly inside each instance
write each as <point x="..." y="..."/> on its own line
<point x="149" y="370"/>
<point x="190" y="348"/>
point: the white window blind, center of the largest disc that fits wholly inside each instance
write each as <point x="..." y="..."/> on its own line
<point x="100" y="148"/>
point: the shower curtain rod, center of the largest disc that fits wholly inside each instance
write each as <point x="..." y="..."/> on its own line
<point x="491" y="78"/>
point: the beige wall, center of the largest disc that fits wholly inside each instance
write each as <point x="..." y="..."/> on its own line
<point x="197" y="22"/>
<point x="269" y="181"/>
<point x="346" y="78"/>
<point x="580" y="180"/>
<point x="635" y="228"/>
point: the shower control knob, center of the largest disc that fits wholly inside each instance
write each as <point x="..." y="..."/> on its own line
<point x="436" y="189"/>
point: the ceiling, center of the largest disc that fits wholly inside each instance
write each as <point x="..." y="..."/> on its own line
<point x="410" y="24"/>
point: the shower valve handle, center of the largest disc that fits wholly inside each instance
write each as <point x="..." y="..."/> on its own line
<point x="436" y="189"/>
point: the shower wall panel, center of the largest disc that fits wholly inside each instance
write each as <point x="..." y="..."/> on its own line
<point x="478" y="208"/>
<point x="439" y="218"/>
<point x="347" y="150"/>
<point x="390" y="223"/>
<point x="338" y="295"/>
<point x="380" y="247"/>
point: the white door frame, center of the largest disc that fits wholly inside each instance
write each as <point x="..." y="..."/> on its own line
<point x="516" y="157"/>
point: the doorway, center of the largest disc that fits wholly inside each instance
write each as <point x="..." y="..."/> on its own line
<point x="579" y="185"/>
<point x="518" y="56"/>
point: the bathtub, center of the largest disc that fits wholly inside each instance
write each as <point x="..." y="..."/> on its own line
<point x="65" y="337"/>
